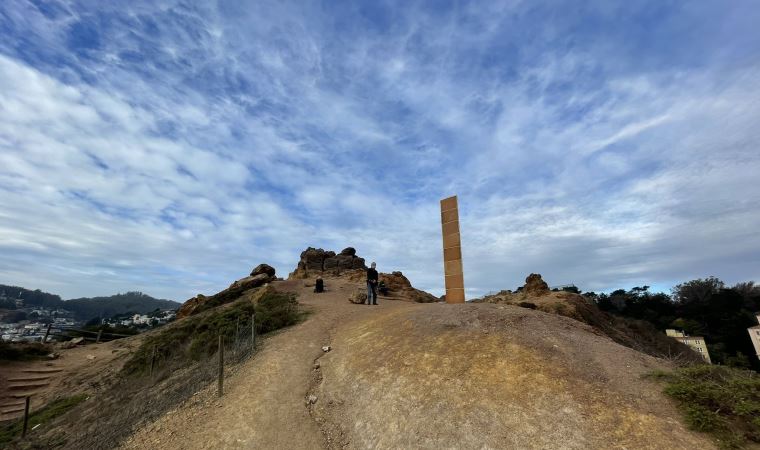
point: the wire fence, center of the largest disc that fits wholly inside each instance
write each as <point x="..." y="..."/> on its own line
<point x="162" y="379"/>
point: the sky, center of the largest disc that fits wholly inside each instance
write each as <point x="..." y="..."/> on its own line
<point x="170" y="146"/>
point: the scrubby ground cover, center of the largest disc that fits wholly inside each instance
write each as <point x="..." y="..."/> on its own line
<point x="44" y="415"/>
<point x="186" y="364"/>
<point x="22" y="351"/>
<point x="195" y="337"/>
<point x="719" y="400"/>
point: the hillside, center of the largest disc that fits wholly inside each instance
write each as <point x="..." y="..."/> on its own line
<point x="129" y="302"/>
<point x="636" y="334"/>
<point x="86" y="308"/>
<point x="411" y="375"/>
<point x="404" y="374"/>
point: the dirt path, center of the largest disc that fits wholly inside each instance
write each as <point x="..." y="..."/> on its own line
<point x="264" y="405"/>
<point x="406" y="375"/>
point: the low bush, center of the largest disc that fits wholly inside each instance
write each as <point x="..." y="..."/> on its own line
<point x="42" y="416"/>
<point x="196" y="337"/>
<point x="719" y="400"/>
<point x="12" y="351"/>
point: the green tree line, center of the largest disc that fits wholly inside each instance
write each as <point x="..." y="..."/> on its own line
<point x="702" y="307"/>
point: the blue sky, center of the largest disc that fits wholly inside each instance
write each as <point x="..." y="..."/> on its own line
<point x="169" y="146"/>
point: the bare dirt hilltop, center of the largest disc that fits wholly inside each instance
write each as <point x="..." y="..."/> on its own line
<point x="429" y="375"/>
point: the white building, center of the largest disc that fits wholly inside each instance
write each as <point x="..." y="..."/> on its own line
<point x="697" y="343"/>
<point x="754" y="334"/>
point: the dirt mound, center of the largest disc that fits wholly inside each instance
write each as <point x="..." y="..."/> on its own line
<point x="406" y="375"/>
<point x="638" y="335"/>
<point x="489" y="376"/>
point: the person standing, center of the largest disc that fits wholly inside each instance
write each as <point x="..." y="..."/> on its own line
<point x="372" y="284"/>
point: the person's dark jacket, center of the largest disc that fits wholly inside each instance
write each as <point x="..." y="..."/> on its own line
<point x="372" y="276"/>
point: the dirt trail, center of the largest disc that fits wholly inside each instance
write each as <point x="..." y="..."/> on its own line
<point x="406" y="375"/>
<point x="73" y="371"/>
<point x="264" y="404"/>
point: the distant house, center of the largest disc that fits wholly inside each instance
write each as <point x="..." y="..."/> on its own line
<point x="754" y="334"/>
<point x="695" y="342"/>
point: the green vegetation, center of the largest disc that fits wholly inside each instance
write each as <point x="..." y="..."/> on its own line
<point x="703" y="307"/>
<point x="87" y="308"/>
<point x="42" y="416"/>
<point x="196" y="337"/>
<point x="12" y="351"/>
<point x="722" y="401"/>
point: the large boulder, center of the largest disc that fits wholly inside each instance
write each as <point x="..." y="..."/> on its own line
<point x="358" y="296"/>
<point x="263" y="269"/>
<point x="246" y="283"/>
<point x="317" y="261"/>
<point x="535" y="285"/>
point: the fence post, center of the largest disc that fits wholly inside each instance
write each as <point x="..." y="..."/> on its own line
<point x="152" y="361"/>
<point x="253" y="331"/>
<point x="26" y="416"/>
<point x="47" y="333"/>
<point x="100" y="331"/>
<point x="221" y="366"/>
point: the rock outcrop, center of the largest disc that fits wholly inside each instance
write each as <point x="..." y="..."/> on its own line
<point x="399" y="286"/>
<point x="535" y="285"/>
<point x="263" y="269"/>
<point x="260" y="275"/>
<point x="316" y="261"/>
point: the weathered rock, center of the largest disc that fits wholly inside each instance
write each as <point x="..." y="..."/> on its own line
<point x="236" y="290"/>
<point x="246" y="283"/>
<point x="191" y="306"/>
<point x="263" y="268"/>
<point x="359" y="296"/>
<point x="535" y="285"/>
<point x="319" y="261"/>
<point x="400" y="286"/>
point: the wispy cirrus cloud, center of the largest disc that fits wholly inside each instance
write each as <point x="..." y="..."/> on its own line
<point x="168" y="146"/>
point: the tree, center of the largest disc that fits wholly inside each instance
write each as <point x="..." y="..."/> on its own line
<point x="15" y="316"/>
<point x="697" y="291"/>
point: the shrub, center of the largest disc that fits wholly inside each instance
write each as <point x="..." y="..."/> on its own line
<point x="22" y="351"/>
<point x="44" y="415"/>
<point x="723" y="401"/>
<point x="196" y="337"/>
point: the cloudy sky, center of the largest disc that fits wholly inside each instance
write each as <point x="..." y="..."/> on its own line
<point x="169" y="146"/>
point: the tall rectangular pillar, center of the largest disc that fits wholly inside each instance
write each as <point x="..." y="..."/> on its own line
<point x="452" y="250"/>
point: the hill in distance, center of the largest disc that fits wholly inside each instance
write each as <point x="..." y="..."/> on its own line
<point x="86" y="308"/>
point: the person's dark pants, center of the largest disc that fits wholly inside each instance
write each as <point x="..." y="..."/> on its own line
<point x="371" y="293"/>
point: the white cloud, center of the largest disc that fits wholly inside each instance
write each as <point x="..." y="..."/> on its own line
<point x="244" y="136"/>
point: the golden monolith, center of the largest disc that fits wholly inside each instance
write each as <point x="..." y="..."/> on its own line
<point x="452" y="250"/>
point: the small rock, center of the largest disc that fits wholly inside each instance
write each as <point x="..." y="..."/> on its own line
<point x="326" y="348"/>
<point x="316" y="365"/>
<point x="312" y="399"/>
<point x="90" y="357"/>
